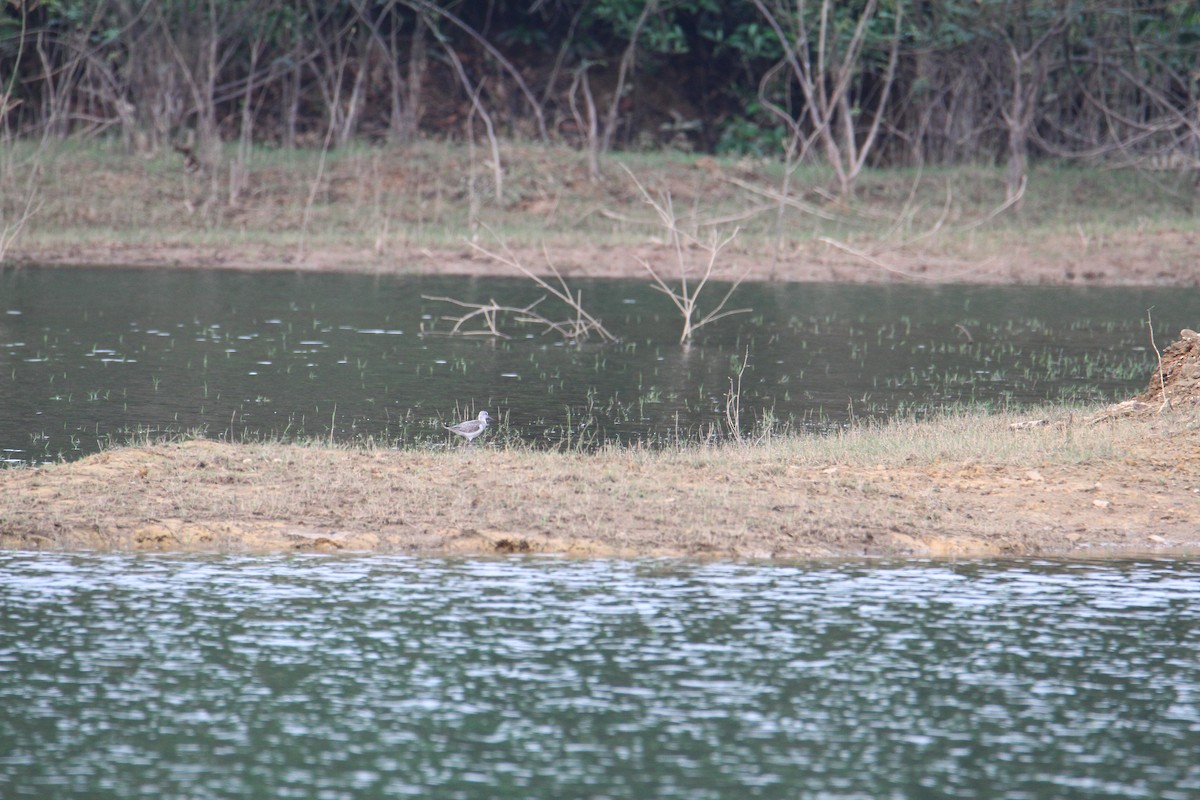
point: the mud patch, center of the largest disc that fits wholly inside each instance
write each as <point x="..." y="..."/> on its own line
<point x="1179" y="378"/>
<point x="950" y="546"/>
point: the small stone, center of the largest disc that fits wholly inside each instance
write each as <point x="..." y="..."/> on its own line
<point x="1100" y="503"/>
<point x="1156" y="539"/>
<point x="1034" y="475"/>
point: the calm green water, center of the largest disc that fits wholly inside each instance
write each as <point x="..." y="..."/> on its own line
<point x="317" y="677"/>
<point x="91" y="356"/>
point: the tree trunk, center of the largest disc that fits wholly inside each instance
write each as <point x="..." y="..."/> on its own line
<point x="626" y="66"/>
<point x="1017" y="120"/>
<point x="418" y="61"/>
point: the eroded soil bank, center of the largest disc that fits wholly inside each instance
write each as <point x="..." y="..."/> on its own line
<point x="1165" y="258"/>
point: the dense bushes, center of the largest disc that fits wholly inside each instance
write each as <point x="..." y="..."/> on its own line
<point x="866" y="81"/>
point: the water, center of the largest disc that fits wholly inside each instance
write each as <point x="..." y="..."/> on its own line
<point x="92" y="356"/>
<point x="328" y="677"/>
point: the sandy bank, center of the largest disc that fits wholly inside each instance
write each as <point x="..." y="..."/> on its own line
<point x="962" y="486"/>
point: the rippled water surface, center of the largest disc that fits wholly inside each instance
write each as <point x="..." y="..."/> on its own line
<point x="322" y="677"/>
<point x="93" y="356"/>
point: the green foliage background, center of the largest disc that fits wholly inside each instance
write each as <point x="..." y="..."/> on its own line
<point x="1105" y="77"/>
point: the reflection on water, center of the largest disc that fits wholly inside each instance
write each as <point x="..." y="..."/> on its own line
<point x="154" y="676"/>
<point x="89" y="355"/>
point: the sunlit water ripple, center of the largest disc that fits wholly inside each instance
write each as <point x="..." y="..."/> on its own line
<point x="170" y="677"/>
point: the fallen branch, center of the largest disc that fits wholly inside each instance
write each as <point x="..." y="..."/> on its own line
<point x="1162" y="379"/>
<point x="490" y="312"/>
<point x="583" y="323"/>
<point x="1009" y="203"/>
<point x="777" y="197"/>
<point x="870" y="259"/>
<point x="11" y="232"/>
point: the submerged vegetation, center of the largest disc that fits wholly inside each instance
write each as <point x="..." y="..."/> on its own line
<point x="96" y="355"/>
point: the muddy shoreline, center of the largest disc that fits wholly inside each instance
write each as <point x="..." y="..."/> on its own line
<point x="973" y="487"/>
<point x="1169" y="258"/>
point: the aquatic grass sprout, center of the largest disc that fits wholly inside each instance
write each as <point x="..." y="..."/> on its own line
<point x="277" y="359"/>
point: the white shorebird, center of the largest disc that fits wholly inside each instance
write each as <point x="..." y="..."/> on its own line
<point x="472" y="427"/>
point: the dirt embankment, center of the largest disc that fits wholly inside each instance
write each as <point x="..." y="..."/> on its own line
<point x="411" y="209"/>
<point x="1178" y="380"/>
<point x="1126" y="479"/>
<point x="1166" y="258"/>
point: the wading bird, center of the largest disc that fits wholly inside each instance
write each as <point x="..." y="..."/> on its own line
<point x="472" y="427"/>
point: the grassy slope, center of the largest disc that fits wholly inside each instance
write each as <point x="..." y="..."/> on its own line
<point x="392" y="201"/>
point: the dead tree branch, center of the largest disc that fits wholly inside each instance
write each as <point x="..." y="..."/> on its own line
<point x="686" y="296"/>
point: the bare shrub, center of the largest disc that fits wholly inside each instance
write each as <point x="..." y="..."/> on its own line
<point x="685" y="293"/>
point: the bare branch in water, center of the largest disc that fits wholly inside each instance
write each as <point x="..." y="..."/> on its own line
<point x="685" y="296"/>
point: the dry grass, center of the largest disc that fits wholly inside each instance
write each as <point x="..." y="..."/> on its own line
<point x="414" y="209"/>
<point x="964" y="485"/>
